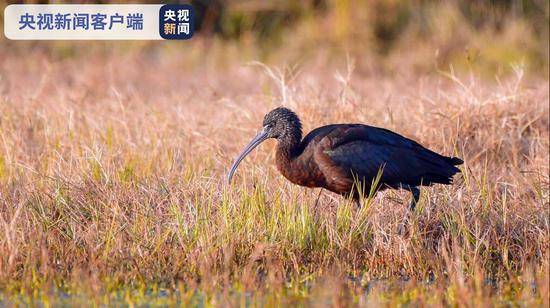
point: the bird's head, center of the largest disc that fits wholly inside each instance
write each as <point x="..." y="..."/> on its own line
<point x="280" y="123"/>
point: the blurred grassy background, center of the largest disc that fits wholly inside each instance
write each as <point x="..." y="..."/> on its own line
<point x="113" y="159"/>
<point x="387" y="36"/>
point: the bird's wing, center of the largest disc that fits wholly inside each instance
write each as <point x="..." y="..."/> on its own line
<point x="364" y="160"/>
<point x="346" y="133"/>
<point x="363" y="151"/>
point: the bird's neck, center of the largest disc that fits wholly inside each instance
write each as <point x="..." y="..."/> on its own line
<point x="288" y="149"/>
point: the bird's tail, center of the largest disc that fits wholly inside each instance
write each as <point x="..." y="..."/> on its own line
<point x="439" y="168"/>
<point x="455" y="161"/>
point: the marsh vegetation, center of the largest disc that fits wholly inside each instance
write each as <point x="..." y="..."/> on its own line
<point x="113" y="159"/>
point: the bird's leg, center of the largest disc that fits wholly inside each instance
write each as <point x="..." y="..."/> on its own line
<point x="415" y="196"/>
<point x="318" y="197"/>
<point x="357" y="202"/>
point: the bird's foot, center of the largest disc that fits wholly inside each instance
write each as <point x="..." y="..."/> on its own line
<point x="403" y="229"/>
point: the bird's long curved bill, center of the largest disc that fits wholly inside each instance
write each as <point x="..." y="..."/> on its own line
<point x="259" y="138"/>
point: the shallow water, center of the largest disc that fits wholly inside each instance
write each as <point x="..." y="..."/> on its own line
<point x="356" y="291"/>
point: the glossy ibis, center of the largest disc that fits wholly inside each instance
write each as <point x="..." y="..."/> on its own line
<point x="338" y="156"/>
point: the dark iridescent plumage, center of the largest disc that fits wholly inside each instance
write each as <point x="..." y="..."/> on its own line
<point x="334" y="156"/>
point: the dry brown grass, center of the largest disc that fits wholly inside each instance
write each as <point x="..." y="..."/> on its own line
<point x="112" y="178"/>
